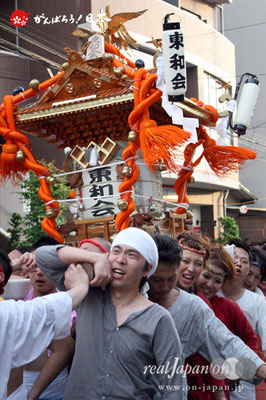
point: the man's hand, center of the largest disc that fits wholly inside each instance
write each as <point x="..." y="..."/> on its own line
<point x="75" y="276"/>
<point x="26" y="261"/>
<point x="77" y="283"/>
<point x="102" y="271"/>
<point x="261" y="372"/>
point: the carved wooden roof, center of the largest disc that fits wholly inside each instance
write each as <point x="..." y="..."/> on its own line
<point x="88" y="103"/>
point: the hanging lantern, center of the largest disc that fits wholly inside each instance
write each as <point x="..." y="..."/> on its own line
<point x="20" y="156"/>
<point x="51" y="180"/>
<point x="174" y="60"/>
<point x="243" y="209"/>
<point x="246" y="105"/>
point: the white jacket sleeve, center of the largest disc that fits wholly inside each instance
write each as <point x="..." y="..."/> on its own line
<point x="30" y="326"/>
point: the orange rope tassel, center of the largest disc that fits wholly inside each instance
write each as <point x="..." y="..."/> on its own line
<point x="225" y="159"/>
<point x="158" y="143"/>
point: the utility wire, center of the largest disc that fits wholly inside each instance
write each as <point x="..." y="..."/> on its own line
<point x="31" y="54"/>
<point x="32" y="41"/>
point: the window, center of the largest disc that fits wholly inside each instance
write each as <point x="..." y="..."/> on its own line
<point x="191" y="12"/>
<point x="173" y="2"/>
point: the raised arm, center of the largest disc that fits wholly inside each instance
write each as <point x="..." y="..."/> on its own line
<point x="54" y="260"/>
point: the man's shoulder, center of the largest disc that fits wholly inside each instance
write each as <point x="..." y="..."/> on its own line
<point x="188" y="302"/>
<point x="251" y="295"/>
<point x="251" y="299"/>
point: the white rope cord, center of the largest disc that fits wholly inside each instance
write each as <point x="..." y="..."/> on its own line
<point x="111" y="165"/>
<point x="173" y="204"/>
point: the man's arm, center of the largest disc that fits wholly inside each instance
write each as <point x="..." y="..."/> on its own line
<point x="62" y="351"/>
<point x="44" y="318"/>
<point x="54" y="260"/>
<point x="261" y="323"/>
<point x="220" y="342"/>
<point x="168" y="352"/>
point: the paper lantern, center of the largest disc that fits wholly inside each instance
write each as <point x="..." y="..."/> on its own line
<point x="174" y="60"/>
<point x="243" y="209"/>
<point x="246" y="105"/>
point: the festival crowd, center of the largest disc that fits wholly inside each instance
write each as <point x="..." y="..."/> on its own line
<point x="144" y="317"/>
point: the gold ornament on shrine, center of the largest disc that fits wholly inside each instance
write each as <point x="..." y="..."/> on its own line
<point x="118" y="71"/>
<point x="189" y="214"/>
<point x="111" y="238"/>
<point x="122" y="205"/>
<point x="112" y="28"/>
<point x="108" y="57"/>
<point x="64" y="66"/>
<point x="50" y="213"/>
<point x="51" y="180"/>
<point x="132" y="136"/>
<point x="20" y="156"/>
<point x="126" y="171"/>
<point x="34" y="84"/>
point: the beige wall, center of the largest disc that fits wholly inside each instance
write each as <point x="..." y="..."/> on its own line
<point x="206" y="11"/>
<point x="201" y="40"/>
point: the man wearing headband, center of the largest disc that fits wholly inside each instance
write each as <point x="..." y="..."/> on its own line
<point x="198" y="328"/>
<point x="126" y="346"/>
<point x="99" y="245"/>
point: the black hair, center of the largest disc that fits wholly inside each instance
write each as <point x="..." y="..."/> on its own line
<point x="44" y="241"/>
<point x="170" y="252"/>
<point x="23" y="249"/>
<point x="5" y="263"/>
<point x="144" y="278"/>
<point x="242" y="245"/>
<point x="258" y="256"/>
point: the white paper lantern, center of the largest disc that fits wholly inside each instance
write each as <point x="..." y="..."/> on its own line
<point x="246" y="105"/>
<point x="174" y="60"/>
<point x="243" y="209"/>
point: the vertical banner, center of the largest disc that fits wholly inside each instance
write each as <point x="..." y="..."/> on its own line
<point x="174" y="60"/>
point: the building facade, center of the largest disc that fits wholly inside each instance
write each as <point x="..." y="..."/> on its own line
<point x="244" y="25"/>
<point x="36" y="50"/>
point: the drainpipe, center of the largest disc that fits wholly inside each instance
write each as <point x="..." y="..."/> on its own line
<point x="226" y="193"/>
